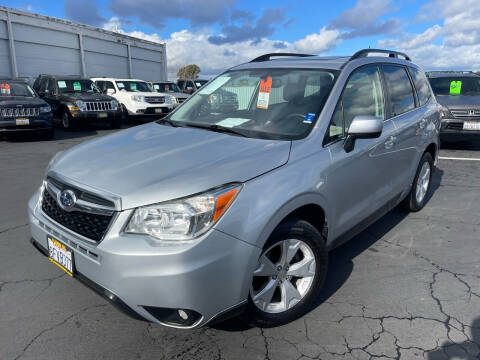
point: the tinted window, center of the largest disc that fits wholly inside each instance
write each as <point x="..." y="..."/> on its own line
<point x="421" y="85"/>
<point x="108" y="85"/>
<point x="51" y="86"/>
<point x="181" y="84"/>
<point x="13" y="88"/>
<point x="134" y="86"/>
<point x="361" y="96"/>
<point x="100" y="84"/>
<point x="400" y="89"/>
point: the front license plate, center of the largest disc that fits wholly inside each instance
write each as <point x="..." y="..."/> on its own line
<point x="102" y="115"/>
<point x="60" y="255"/>
<point x="471" y="125"/>
<point x="158" y="111"/>
<point x="22" y="121"/>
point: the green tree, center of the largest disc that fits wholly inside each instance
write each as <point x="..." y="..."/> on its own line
<point x="188" y="72"/>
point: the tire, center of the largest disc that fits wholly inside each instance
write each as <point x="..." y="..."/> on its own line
<point x="68" y="122"/>
<point x="418" y="196"/>
<point x="305" y="245"/>
<point x="116" y="123"/>
<point x="125" y="116"/>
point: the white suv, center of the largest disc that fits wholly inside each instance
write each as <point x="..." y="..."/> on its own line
<point x="136" y="97"/>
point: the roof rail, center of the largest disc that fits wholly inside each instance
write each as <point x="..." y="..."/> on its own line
<point x="450" y="72"/>
<point x="267" y="57"/>
<point x="391" y="53"/>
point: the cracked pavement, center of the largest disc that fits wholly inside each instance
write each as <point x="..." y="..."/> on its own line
<point x="406" y="288"/>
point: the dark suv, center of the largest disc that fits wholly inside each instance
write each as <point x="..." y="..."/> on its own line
<point x="459" y="94"/>
<point x="75" y="100"/>
<point x="21" y="110"/>
<point x="189" y="86"/>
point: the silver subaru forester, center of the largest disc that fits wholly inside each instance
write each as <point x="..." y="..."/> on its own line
<point x="231" y="203"/>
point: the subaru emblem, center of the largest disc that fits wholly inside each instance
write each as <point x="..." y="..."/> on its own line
<point x="67" y="199"/>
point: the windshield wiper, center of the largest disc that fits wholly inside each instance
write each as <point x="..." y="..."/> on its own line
<point x="169" y="122"/>
<point x="217" y="128"/>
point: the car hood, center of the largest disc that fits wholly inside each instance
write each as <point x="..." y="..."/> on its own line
<point x="459" y="101"/>
<point x="153" y="163"/>
<point x="21" y="100"/>
<point x="179" y="95"/>
<point x="153" y="93"/>
<point x="72" y="97"/>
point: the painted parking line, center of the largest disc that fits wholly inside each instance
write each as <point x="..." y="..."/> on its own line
<point x="458" y="158"/>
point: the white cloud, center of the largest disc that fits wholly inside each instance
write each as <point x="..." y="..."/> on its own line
<point x="455" y="43"/>
<point x="187" y="47"/>
<point x="319" y="42"/>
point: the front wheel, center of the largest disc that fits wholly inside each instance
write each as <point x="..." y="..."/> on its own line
<point x="418" y="195"/>
<point x="289" y="275"/>
<point x="68" y="122"/>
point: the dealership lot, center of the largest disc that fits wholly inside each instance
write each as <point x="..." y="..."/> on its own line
<point x="409" y="286"/>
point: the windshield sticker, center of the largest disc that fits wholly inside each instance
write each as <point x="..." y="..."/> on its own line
<point x="309" y="118"/>
<point x="5" y="89"/>
<point x="455" y="87"/>
<point x="62" y="84"/>
<point x="156" y="86"/>
<point x="214" y="85"/>
<point x="77" y="86"/>
<point x="120" y="85"/>
<point x="232" y="122"/>
<point x="133" y="86"/>
<point x="264" y="93"/>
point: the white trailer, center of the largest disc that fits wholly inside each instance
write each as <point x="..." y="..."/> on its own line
<point x="33" y="44"/>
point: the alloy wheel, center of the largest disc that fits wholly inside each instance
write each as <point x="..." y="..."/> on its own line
<point x="423" y="182"/>
<point x="65" y="121"/>
<point x="283" y="276"/>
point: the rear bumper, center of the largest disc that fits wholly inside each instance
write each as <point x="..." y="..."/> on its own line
<point x="209" y="276"/>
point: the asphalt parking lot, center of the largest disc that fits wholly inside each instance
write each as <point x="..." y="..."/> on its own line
<point x="408" y="287"/>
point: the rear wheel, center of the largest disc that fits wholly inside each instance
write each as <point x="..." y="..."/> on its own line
<point x="418" y="195"/>
<point x="289" y="275"/>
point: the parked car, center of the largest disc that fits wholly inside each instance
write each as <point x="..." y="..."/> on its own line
<point x="215" y="210"/>
<point x="136" y="97"/>
<point x="459" y="94"/>
<point x="169" y="87"/>
<point x="77" y="101"/>
<point x="189" y="86"/>
<point x="21" y="109"/>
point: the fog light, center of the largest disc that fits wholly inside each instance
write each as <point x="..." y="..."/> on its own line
<point x="175" y="317"/>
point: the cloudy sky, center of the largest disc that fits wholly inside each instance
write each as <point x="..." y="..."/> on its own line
<point x="216" y="34"/>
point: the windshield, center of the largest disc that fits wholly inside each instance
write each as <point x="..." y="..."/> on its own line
<point x="73" y="86"/>
<point x="261" y="103"/>
<point x="134" y="86"/>
<point x="469" y="86"/>
<point x="15" y="89"/>
<point x="166" y="87"/>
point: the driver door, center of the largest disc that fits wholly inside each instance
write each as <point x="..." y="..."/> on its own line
<point x="358" y="183"/>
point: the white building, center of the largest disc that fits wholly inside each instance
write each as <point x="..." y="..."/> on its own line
<point x="32" y="44"/>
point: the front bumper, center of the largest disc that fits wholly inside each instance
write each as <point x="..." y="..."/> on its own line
<point x="97" y="116"/>
<point x="142" y="109"/>
<point x="455" y="127"/>
<point x="209" y="276"/>
<point x="40" y="123"/>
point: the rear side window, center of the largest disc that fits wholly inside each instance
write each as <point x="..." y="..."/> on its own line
<point x="400" y="89"/>
<point x="362" y="95"/>
<point x="421" y="85"/>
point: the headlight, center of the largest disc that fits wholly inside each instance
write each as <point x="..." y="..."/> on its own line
<point x="138" y="98"/>
<point x="182" y="219"/>
<point x="45" y="109"/>
<point x="114" y="104"/>
<point x="170" y="99"/>
<point x="72" y="107"/>
<point x="445" y="113"/>
<point x="81" y="105"/>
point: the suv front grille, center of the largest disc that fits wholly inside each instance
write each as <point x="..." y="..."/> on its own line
<point x="92" y="226"/>
<point x="15" y="112"/>
<point x="98" y="105"/>
<point x="155" y="99"/>
<point x="465" y="113"/>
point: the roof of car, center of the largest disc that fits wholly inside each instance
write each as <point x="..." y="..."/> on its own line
<point x="323" y="62"/>
<point x="115" y="79"/>
<point x="65" y="77"/>
<point x="10" y="79"/>
<point x="446" y="73"/>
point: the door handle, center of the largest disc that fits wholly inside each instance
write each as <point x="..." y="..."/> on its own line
<point x="390" y="142"/>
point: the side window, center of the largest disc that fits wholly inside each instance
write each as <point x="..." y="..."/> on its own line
<point x="421" y="85"/>
<point x="362" y="95"/>
<point x="399" y="88"/>
<point x="99" y="85"/>
<point x="43" y="85"/>
<point x="51" y="86"/>
<point x="181" y="84"/>
<point x="191" y="84"/>
<point x="109" y="85"/>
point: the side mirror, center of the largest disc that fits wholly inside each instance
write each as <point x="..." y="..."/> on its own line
<point x="110" y="91"/>
<point x="362" y="127"/>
